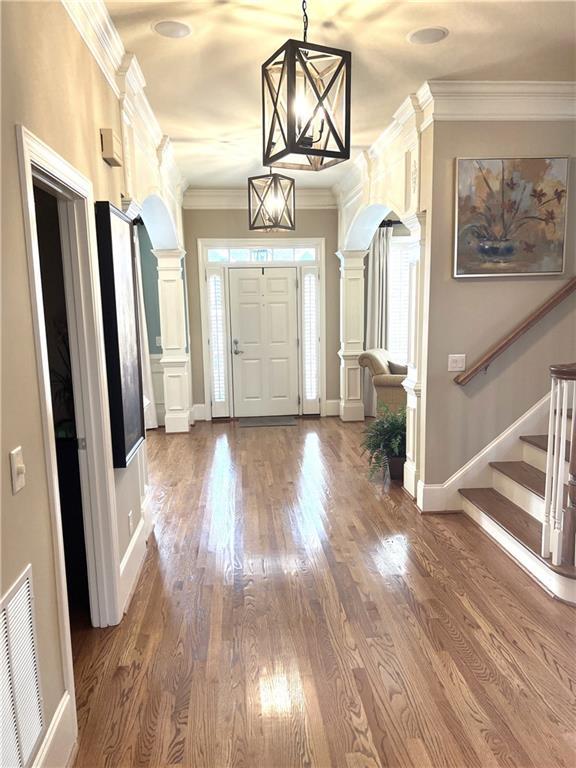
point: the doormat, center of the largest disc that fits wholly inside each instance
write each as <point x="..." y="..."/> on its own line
<point x="268" y="421"/>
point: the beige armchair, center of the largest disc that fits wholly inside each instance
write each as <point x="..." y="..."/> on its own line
<point x="387" y="377"/>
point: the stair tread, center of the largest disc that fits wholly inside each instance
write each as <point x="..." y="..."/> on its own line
<point x="518" y="523"/>
<point x="513" y="518"/>
<point x="524" y="474"/>
<point x="541" y="441"/>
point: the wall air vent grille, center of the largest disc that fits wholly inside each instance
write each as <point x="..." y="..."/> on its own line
<point x="21" y="701"/>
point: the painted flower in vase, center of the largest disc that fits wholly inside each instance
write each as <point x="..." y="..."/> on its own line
<point x="511" y="216"/>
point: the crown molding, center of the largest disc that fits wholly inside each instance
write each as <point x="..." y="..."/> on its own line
<point x="409" y="110"/>
<point x="95" y="26"/>
<point x="213" y="199"/>
<point x="124" y="75"/>
<point x="484" y="100"/>
<point x="351" y="186"/>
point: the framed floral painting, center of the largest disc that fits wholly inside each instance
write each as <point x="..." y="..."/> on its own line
<point x="510" y="216"/>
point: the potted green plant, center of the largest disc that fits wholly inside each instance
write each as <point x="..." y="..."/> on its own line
<point x="385" y="443"/>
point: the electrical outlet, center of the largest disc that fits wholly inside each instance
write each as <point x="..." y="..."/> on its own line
<point x="456" y="362"/>
<point x="158" y="341"/>
<point x="131" y="522"/>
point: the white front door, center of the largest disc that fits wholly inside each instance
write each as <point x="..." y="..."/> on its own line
<point x="264" y="327"/>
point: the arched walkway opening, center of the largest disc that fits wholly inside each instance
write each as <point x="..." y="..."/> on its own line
<point x="353" y="255"/>
<point x="174" y="361"/>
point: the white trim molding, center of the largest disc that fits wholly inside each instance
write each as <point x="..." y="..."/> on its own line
<point x="76" y="211"/>
<point x="200" y="412"/>
<point x="460" y="100"/>
<point x="93" y="22"/>
<point x="58" y="746"/>
<point x="444" y="497"/>
<point x="351" y="334"/>
<point x="206" y="269"/>
<point x="140" y="127"/>
<point x="209" y="199"/>
<point x="133" y="560"/>
<point x="558" y="585"/>
<point x="330" y="408"/>
<point x="175" y="360"/>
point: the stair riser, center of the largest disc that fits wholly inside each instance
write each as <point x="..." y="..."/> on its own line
<point x="519" y="495"/>
<point x="560" y="586"/>
<point x="536" y="457"/>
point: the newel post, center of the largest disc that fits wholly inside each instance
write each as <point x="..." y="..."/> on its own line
<point x="175" y="356"/>
<point x="351" y="334"/>
<point x="565" y="377"/>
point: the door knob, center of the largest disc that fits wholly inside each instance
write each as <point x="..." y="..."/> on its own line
<point x="236" y="351"/>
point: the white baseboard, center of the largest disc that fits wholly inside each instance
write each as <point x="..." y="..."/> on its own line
<point x="330" y="408"/>
<point x="160" y="414"/>
<point x="560" y="586"/>
<point x="177" y="422"/>
<point x="133" y="560"/>
<point x="351" y="411"/>
<point x="58" y="746"/>
<point x="200" y="412"/>
<point x="443" y="497"/>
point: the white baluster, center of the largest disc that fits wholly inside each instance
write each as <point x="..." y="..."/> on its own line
<point x="559" y="480"/>
<point x="549" y="474"/>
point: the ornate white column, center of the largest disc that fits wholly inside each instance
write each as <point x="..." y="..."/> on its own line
<point x="175" y="359"/>
<point x="412" y="382"/>
<point x="351" y="334"/>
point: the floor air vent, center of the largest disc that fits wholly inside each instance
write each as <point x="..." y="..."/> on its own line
<point x="22" y="720"/>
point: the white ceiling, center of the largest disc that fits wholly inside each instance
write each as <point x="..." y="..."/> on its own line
<point x="205" y="88"/>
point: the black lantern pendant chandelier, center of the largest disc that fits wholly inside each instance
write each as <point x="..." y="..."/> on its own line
<point x="271" y="203"/>
<point x="306" y="105"/>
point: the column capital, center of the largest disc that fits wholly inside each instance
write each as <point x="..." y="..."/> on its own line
<point x="351" y="258"/>
<point x="164" y="255"/>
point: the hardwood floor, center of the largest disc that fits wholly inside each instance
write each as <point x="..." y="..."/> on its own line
<point x="291" y="613"/>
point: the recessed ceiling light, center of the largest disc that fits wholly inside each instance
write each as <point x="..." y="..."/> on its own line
<point x="170" y="28"/>
<point x="427" y="35"/>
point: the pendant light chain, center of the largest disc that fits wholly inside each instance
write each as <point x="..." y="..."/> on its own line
<point x="305" y="19"/>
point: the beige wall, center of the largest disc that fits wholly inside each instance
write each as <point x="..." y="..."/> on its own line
<point x="467" y="315"/>
<point x="52" y="85"/>
<point x="234" y="224"/>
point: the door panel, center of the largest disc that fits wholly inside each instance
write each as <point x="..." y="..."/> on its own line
<point x="264" y="340"/>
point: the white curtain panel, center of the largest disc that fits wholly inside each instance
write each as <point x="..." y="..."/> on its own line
<point x="150" y="415"/>
<point x="376" y="307"/>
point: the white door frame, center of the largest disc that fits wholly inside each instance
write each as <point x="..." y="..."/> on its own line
<point x="203" y="244"/>
<point x="295" y="275"/>
<point x="82" y="287"/>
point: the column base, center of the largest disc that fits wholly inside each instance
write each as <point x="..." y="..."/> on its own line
<point x="410" y="478"/>
<point x="177" y="422"/>
<point x="351" y="411"/>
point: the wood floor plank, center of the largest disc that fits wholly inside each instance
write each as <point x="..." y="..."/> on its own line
<point x="293" y="614"/>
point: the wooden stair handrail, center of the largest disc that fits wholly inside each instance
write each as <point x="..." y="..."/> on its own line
<point x="482" y="363"/>
<point x="566" y="371"/>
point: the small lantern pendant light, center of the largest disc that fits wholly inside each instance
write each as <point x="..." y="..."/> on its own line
<point x="306" y="92"/>
<point x="271" y="203"/>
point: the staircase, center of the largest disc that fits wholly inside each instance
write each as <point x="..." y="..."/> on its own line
<point x="529" y="507"/>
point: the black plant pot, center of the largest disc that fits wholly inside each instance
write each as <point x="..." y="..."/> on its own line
<point x="396" y="467"/>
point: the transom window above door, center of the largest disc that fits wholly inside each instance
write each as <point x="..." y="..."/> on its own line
<point x="259" y="254"/>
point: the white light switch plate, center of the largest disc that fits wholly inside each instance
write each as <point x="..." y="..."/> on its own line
<point x="456" y="362"/>
<point x="158" y="341"/>
<point x="17" y="469"/>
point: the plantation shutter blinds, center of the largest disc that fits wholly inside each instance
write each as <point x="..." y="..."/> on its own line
<point x="397" y="304"/>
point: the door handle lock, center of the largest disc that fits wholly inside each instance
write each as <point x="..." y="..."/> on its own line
<point x="236" y="351"/>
